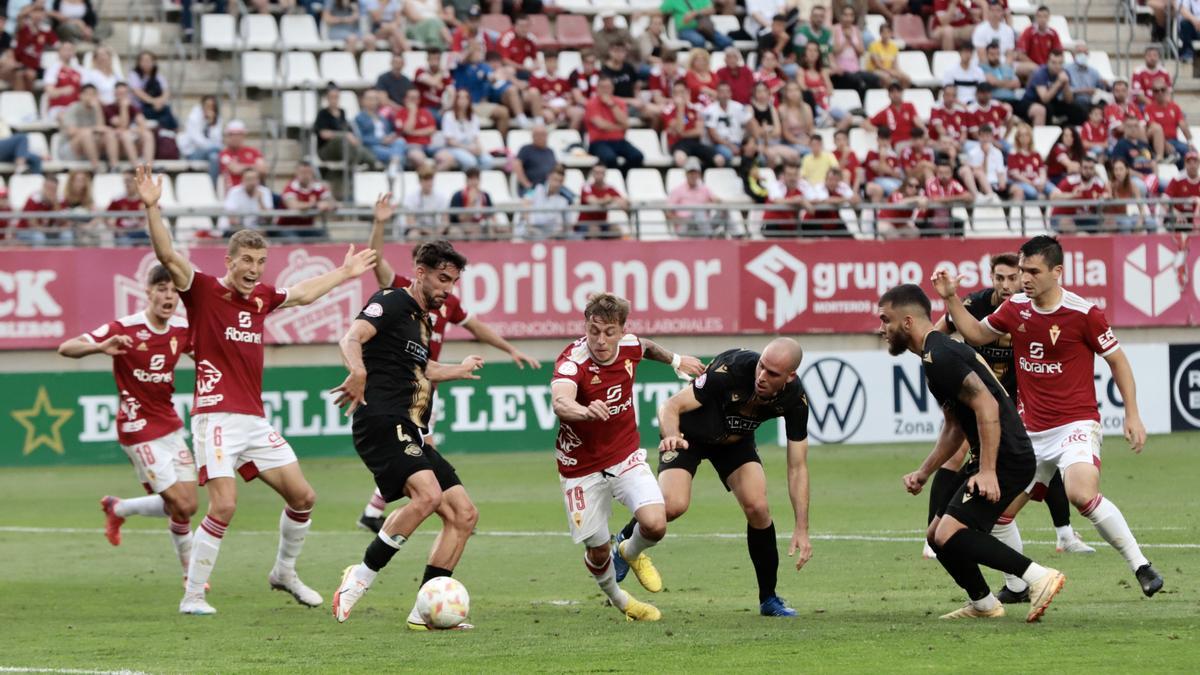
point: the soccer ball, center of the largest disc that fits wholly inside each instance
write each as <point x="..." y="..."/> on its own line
<point x="443" y="602"/>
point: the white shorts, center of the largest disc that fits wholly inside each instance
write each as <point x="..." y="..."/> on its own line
<point x="1060" y="447"/>
<point x="589" y="498"/>
<point x="225" y="442"/>
<point x="162" y="462"/>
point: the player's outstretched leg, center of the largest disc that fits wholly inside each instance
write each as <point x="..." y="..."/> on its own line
<point x="116" y="510"/>
<point x="1069" y="540"/>
<point x="372" y="515"/>
<point x="294" y="523"/>
<point x="1015" y="590"/>
<point x="1083" y="489"/>
<point x="459" y="516"/>
<point x="598" y="560"/>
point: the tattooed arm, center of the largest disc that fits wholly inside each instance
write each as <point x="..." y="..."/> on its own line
<point x="689" y="365"/>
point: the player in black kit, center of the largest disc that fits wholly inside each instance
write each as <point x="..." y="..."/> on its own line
<point x="977" y="410"/>
<point x="389" y="392"/>
<point x="715" y="419"/>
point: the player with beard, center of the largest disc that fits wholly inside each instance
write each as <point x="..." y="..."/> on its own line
<point x="979" y="412"/>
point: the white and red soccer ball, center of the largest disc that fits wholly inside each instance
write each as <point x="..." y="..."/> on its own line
<point x="443" y="602"/>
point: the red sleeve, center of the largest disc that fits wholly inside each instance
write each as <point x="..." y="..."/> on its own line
<point x="1023" y="41"/>
<point x="878" y="119"/>
<point x="1057" y="42"/>
<point x="274" y="296"/>
<point x="567" y="370"/>
<point x="104" y="332"/>
<point x="1099" y="335"/>
<point x="455" y="313"/>
<point x="1173" y="189"/>
<point x="1003" y="320"/>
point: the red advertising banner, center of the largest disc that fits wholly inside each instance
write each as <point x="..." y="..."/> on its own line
<point x="676" y="288"/>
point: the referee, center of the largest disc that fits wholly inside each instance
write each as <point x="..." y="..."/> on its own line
<point x="715" y="419"/>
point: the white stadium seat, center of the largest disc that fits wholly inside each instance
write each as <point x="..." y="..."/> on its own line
<point x="19" y="110"/>
<point x="259" y="31"/>
<point x="916" y="66"/>
<point x="1044" y="139"/>
<point x="845" y="99"/>
<point x="341" y="69"/>
<point x="374" y="64"/>
<point x="299" y="69"/>
<point x="988" y="221"/>
<point x="568" y="62"/>
<point x="726" y="184"/>
<point x="107" y="187"/>
<point x="449" y="182"/>
<point x="217" y="32"/>
<point x="21" y="186"/>
<point x="646" y="185"/>
<point x="196" y="189"/>
<point x="922" y="100"/>
<point x="495" y="183"/>
<point x="489" y="140"/>
<point x="300" y="108"/>
<point x="650" y="145"/>
<point x="876" y="100"/>
<point x="1059" y="23"/>
<point x="414" y="61"/>
<point x="943" y="61"/>
<point x="258" y="70"/>
<point x="368" y="185"/>
<point x="299" y="31"/>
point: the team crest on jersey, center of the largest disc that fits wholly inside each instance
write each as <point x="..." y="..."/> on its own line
<point x="722" y="368"/>
<point x="629" y="367"/>
<point x="142" y="334"/>
<point x="374" y="310"/>
<point x="568" y="368"/>
<point x="595" y="379"/>
<point x="668" y="457"/>
<point x="174" y="344"/>
<point x="701" y="380"/>
<point x="1054" y="333"/>
<point x="258" y="303"/>
<point x="142" y="347"/>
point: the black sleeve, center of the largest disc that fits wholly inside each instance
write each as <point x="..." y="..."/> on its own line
<point x="948" y="368"/>
<point x="323" y="122"/>
<point x="383" y="309"/>
<point x="796" y="420"/>
<point x="712" y="383"/>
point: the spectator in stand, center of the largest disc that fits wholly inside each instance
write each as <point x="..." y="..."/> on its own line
<point x="583" y="81"/>
<point x="77" y="198"/>
<point x="460" y="131"/>
<point x="818" y="162"/>
<point x="607" y="119"/>
<point x="1158" y="22"/>
<point x="386" y="19"/>
<point x="918" y="158"/>
<point x="1150" y="75"/>
<point x="379" y="135"/>
<point x="245" y="203"/>
<point x="882" y="169"/>
<point x="943" y="193"/>
<point x="682" y="122"/>
<point x="737" y="75"/>
<point x="1000" y="75"/>
<point x="823" y="202"/>
<point x="1064" y="157"/>
<point x="14" y="148"/>
<point x="434" y="82"/>
<point x="128" y="230"/>
<point x="985" y="173"/>
<point x="984" y="110"/>
<point x="305" y="193"/>
<point x="726" y="121"/>
<point x="73" y="20"/>
<point x="86" y="130"/>
<point x="953" y="23"/>
<point x="39" y="230"/>
<point x="548" y="96"/>
<point x="201" y="138"/>
<point x="948" y="122"/>
<point x="692" y="222"/>
<point x="848" y="48"/>
<point x="62" y="81"/>
<point x="534" y="161"/>
<point x="1085" y="80"/>
<point x="424" y="208"/>
<point x="906" y="208"/>
<point x="237" y="157"/>
<point x="103" y="75"/>
<point x="1126" y="186"/>
<point x="847" y="159"/>
<point x="33" y="37"/>
<point x="394" y="83"/>
<point x="817" y="32"/>
<point x="651" y="47"/>
<point x="1036" y="44"/>
<point x="477" y="77"/>
<point x="611" y="34"/>
<point x="769" y="73"/>
<point x="1086" y="186"/>
<point x="150" y="87"/>
<point x="1184" y="213"/>
<point x="899" y="116"/>
<point x="626" y="84"/>
<point x="1189" y="28"/>
<point x="419" y="128"/>
<point x="785" y="192"/>
<point x="965" y="74"/>
<point x="1134" y="150"/>
<point x="343" y="24"/>
<point x="759" y="16"/>
<point x="1026" y="170"/>
<point x="554" y="217"/>
<point x="881" y="59"/>
<point x="693" y="22"/>
<point x="795" y="118"/>
<point x="768" y="129"/>
<point x="517" y="48"/>
<point x="1048" y="95"/>
<point x="815" y="78"/>
<point x="1094" y="134"/>
<point x="993" y="29"/>
<point x="336" y="140"/>
<point x="1121" y="106"/>
<point x="1166" y="121"/>
<point x="470" y="225"/>
<point x="426" y="23"/>
<point x="779" y="43"/>
<point x="468" y="31"/>
<point x="598" y="193"/>
<point x="125" y="118"/>
<point x="701" y="81"/>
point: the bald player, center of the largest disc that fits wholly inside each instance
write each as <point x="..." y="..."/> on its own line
<point x="715" y="418"/>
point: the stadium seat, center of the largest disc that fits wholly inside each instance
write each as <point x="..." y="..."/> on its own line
<point x="374" y="64"/>
<point x="988" y="221"/>
<point x="1167" y="172"/>
<point x="845" y="99"/>
<point x="614" y="178"/>
<point x="543" y="35"/>
<point x="413" y="61"/>
<point x="650" y="144"/>
<point x="561" y="141"/>
<point x="48" y="60"/>
<point x="495" y="183"/>
<point x="675" y="178"/>
<point x="716" y="61"/>
<point x="259" y="31"/>
<point x="1059" y="23"/>
<point x="300" y="109"/>
<point x="86" y="61"/>
<point x="341" y="69"/>
<point x="652" y="226"/>
<point x="922" y="100"/>
<point x="729" y="24"/>
<point x="916" y="65"/>
<point x="141" y="36"/>
<point x="910" y="29"/>
<point x="862" y="142"/>
<point x="21" y="186"/>
<point x="619" y="21"/>
<point x="873" y="22"/>
<point x="876" y="100"/>
<point x="497" y="23"/>
<point x="568" y="62"/>
<point x="217" y="32"/>
<point x="1099" y="60"/>
<point x="368" y="185"/>
<point x="1020" y="22"/>
<point x="576" y="7"/>
<point x="348" y="102"/>
<point x="645" y="186"/>
<point x="943" y="61"/>
<point x="490" y="139"/>
<point x="574" y="32"/>
<point x="19" y="110"/>
<point x="644" y="6"/>
<point x="107" y="187"/>
<point x="1044" y="138"/>
<point x="299" y="31"/>
<point x="187" y="227"/>
<point x="726" y="184"/>
<point x="573" y="181"/>
<point x="448" y="182"/>
<point x="519" y="138"/>
<point x="299" y="69"/>
<point x="38" y="146"/>
<point x="258" y="70"/>
<point x="168" y="192"/>
<point x="1025" y="7"/>
<point x="196" y="189"/>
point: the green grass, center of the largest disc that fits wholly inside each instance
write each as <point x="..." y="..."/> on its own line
<point x="69" y="600"/>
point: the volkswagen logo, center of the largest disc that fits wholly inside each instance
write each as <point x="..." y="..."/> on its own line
<point x="837" y="400"/>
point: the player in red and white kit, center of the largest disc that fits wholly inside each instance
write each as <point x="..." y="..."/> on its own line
<point x="451" y="312"/>
<point x="229" y="430"/>
<point x="145" y="347"/>
<point x="597" y="447"/>
<point x="1055" y="337"/>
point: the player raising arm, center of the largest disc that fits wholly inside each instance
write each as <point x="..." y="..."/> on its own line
<point x="1055" y="335"/>
<point x="978" y="411"/>
<point x="715" y="418"/>
<point x="230" y="431"/>
<point x="597" y="448"/>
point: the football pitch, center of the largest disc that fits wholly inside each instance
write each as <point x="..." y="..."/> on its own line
<point x="867" y="600"/>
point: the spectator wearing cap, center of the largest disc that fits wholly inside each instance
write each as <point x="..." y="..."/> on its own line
<point x="1166" y="121"/>
<point x="1048" y="95"/>
<point x="87" y="131"/>
<point x="1085" y="80"/>
<point x="597" y="192"/>
<point x="305" y="193"/>
<point x="237" y="157"/>
<point x="607" y="118"/>
<point x="471" y="196"/>
<point x="535" y="160"/>
<point x="14" y="148"/>
<point x="246" y="202"/>
<point x="379" y="134"/>
<point x="394" y="83"/>
<point x="424" y="208"/>
<point x="336" y="140"/>
<point x="999" y="74"/>
<point x="993" y="29"/>
<point x="881" y="59"/>
<point x="553" y="216"/>
<point x="343" y="24"/>
<point x="611" y="34"/>
<point x="386" y="19"/>
<point x="693" y="22"/>
<point x="693" y="222"/>
<point x="1036" y="44"/>
<point x="201" y="137"/>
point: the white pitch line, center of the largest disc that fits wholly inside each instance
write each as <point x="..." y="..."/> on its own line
<point x="533" y="533"/>
<point x="70" y="671"/>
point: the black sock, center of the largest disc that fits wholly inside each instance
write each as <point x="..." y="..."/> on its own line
<point x="627" y="531"/>
<point x="941" y="488"/>
<point x="985" y="549"/>
<point x="432" y="572"/>
<point x="1056" y="501"/>
<point x="379" y="554"/>
<point x="965" y="573"/>
<point x="764" y="553"/>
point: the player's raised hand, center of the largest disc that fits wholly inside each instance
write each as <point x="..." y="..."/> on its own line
<point x="149" y="186"/>
<point x="357" y="263"/>
<point x="116" y="345"/>
<point x="351" y="391"/>
<point x="522" y="359"/>
<point x="945" y="285"/>
<point x="690" y="366"/>
<point x="915" y="482"/>
<point x="469" y="365"/>
<point x="800" y="544"/>
<point x="384" y="209"/>
<point x="598" y="410"/>
<point x="672" y="443"/>
<point x="1135" y="433"/>
<point x="986" y="485"/>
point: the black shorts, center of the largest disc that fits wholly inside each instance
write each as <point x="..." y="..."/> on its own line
<point x="393" y="450"/>
<point x="725" y="458"/>
<point x="974" y="511"/>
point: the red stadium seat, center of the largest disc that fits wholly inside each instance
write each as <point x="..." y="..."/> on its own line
<point x="574" y="32"/>
<point x="911" y="29"/>
<point x="497" y="23"/>
<point x="539" y="25"/>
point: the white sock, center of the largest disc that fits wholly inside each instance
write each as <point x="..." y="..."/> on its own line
<point x="985" y="604"/>
<point x="1112" y="526"/>
<point x="181" y="537"/>
<point x="364" y="574"/>
<point x="1010" y="536"/>
<point x="1064" y="533"/>
<point x="637" y="543"/>
<point x="376" y="506"/>
<point x="606" y="578"/>
<point x="293" y="528"/>
<point x="151" y="506"/>
<point x="206" y="544"/>
<point x="1034" y="573"/>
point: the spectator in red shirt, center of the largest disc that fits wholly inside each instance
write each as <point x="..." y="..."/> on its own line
<point x="1166" y="121"/>
<point x="953" y="23"/>
<point x="517" y="48"/>
<point x="38" y="230"/>
<point x="418" y="126"/>
<point x="900" y="116"/>
<point x="1026" y="169"/>
<point x="607" y="119"/>
<point x="882" y="168"/>
<point x="786" y="191"/>
<point x="305" y="193"/>
<point x="1185" y="213"/>
<point x="684" y="127"/>
<point x="237" y="156"/>
<point x="918" y="158"/>
<point x="906" y="207"/>
<point x="594" y="224"/>
<point x="1150" y="75"/>
<point x="948" y="122"/>
<point x="128" y="229"/>
<point x="433" y="81"/>
<point x="549" y="95"/>
<point x="1094" y="133"/>
<point x="1121" y="107"/>
<point x="471" y="196"/>
<point x="1083" y="186"/>
<point x="847" y="159"/>
<point x="737" y="75"/>
<point x="34" y="35"/>
<point x="62" y="81"/>
<point x="1036" y="43"/>
<point x="943" y="192"/>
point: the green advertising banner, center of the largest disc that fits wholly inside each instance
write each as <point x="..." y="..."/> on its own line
<point x="69" y="418"/>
